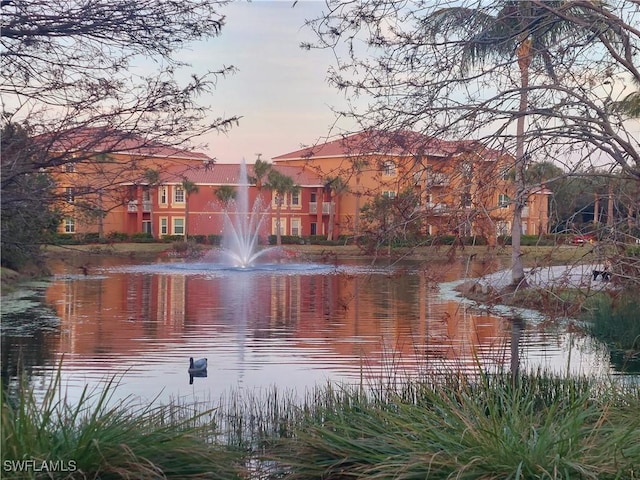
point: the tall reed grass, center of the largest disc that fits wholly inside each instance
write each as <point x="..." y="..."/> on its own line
<point x="99" y="436"/>
<point x="540" y="427"/>
<point x="444" y="426"/>
<point x="615" y="321"/>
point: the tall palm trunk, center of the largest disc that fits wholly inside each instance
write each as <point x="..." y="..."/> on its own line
<point x="517" y="269"/>
<point x="279" y="201"/>
<point x="332" y="196"/>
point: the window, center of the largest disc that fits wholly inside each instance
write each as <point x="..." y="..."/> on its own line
<point x="467" y="170"/>
<point x="279" y="200"/>
<point x="283" y="226"/>
<point x="389" y="194"/>
<point x="146" y="226"/>
<point x="437" y="179"/>
<point x="503" y="200"/>
<point x="69" y="167"/>
<point x="465" y="200"/>
<point x="70" y="194"/>
<point x="164" y="226"/>
<point x="389" y="168"/>
<point x="178" y="226"/>
<point x="179" y="195"/>
<point x="503" y="228"/>
<point x="163" y="195"/>
<point x="69" y="225"/>
<point x="295" y="227"/>
<point x="295" y="199"/>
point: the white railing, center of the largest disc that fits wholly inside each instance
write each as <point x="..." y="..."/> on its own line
<point x="436" y="207"/>
<point x="437" y="180"/>
<point x="132" y="206"/>
<point x="326" y="207"/>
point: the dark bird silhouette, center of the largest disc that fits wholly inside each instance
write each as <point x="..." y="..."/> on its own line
<point x="197" y="366"/>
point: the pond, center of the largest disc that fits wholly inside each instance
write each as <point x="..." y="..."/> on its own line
<point x="287" y="325"/>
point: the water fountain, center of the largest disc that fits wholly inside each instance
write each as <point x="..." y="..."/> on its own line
<point x="242" y="227"/>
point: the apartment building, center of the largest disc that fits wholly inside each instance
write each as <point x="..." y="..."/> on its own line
<point x="463" y="186"/>
<point x="115" y="182"/>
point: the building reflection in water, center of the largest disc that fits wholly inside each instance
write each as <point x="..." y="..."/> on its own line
<point x="356" y="323"/>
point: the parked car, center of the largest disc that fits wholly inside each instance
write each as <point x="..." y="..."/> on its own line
<point x="582" y="239"/>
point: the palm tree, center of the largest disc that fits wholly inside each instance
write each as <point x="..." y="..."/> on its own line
<point x="526" y="29"/>
<point x="225" y="194"/>
<point x="337" y="187"/>
<point x="189" y="187"/>
<point x="630" y="105"/>
<point x="261" y="169"/>
<point x="281" y="185"/>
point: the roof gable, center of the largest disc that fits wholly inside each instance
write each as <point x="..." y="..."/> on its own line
<point x="229" y="174"/>
<point x="112" y="141"/>
<point x="395" y="143"/>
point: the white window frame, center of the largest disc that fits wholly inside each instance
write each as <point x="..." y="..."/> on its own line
<point x="69" y="225"/>
<point x="389" y="168"/>
<point x="390" y="194"/>
<point x="295" y="199"/>
<point x="164" y="226"/>
<point x="174" y="225"/>
<point x="283" y="226"/>
<point x="296" y="227"/>
<point x="163" y="195"/>
<point x="503" y="200"/>
<point x="178" y="194"/>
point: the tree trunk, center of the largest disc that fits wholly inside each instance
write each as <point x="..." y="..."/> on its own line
<point x="186" y="216"/>
<point x="330" y="226"/>
<point x="517" y="269"/>
<point x="610" y="206"/>
<point x="278" y="220"/>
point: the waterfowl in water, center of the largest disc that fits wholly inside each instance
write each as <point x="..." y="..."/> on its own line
<point x="197" y="366"/>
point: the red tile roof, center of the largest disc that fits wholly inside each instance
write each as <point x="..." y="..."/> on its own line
<point x="103" y="140"/>
<point x="228" y="174"/>
<point x="397" y="143"/>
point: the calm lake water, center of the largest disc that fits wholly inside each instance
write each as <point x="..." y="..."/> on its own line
<point x="290" y="325"/>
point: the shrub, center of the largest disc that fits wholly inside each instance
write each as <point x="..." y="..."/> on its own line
<point x="614" y="320"/>
<point x="117" y="236"/>
<point x="286" y="239"/>
<point x="142" y="238"/>
<point x="66" y="239"/>
<point x="214" y="239"/>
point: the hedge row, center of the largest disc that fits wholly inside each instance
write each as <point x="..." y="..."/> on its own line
<point x="117" y="237"/>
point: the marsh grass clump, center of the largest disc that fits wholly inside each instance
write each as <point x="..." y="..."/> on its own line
<point x="614" y="320"/>
<point x="98" y="436"/>
<point x="440" y="426"/>
<point x="540" y="426"/>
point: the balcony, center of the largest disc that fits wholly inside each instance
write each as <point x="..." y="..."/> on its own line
<point x="437" y="180"/>
<point x="326" y="207"/>
<point x="132" y="206"/>
<point x="436" y="207"/>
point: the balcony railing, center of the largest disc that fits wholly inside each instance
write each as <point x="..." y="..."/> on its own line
<point x="437" y="180"/>
<point x="326" y="207"/>
<point x="132" y="206"/>
<point x="436" y="207"/>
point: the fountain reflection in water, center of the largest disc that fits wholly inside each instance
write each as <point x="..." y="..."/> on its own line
<point x="242" y="226"/>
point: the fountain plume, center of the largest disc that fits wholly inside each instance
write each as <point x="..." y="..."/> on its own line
<point x="241" y="236"/>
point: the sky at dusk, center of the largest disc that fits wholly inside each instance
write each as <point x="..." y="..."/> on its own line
<point x="279" y="90"/>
